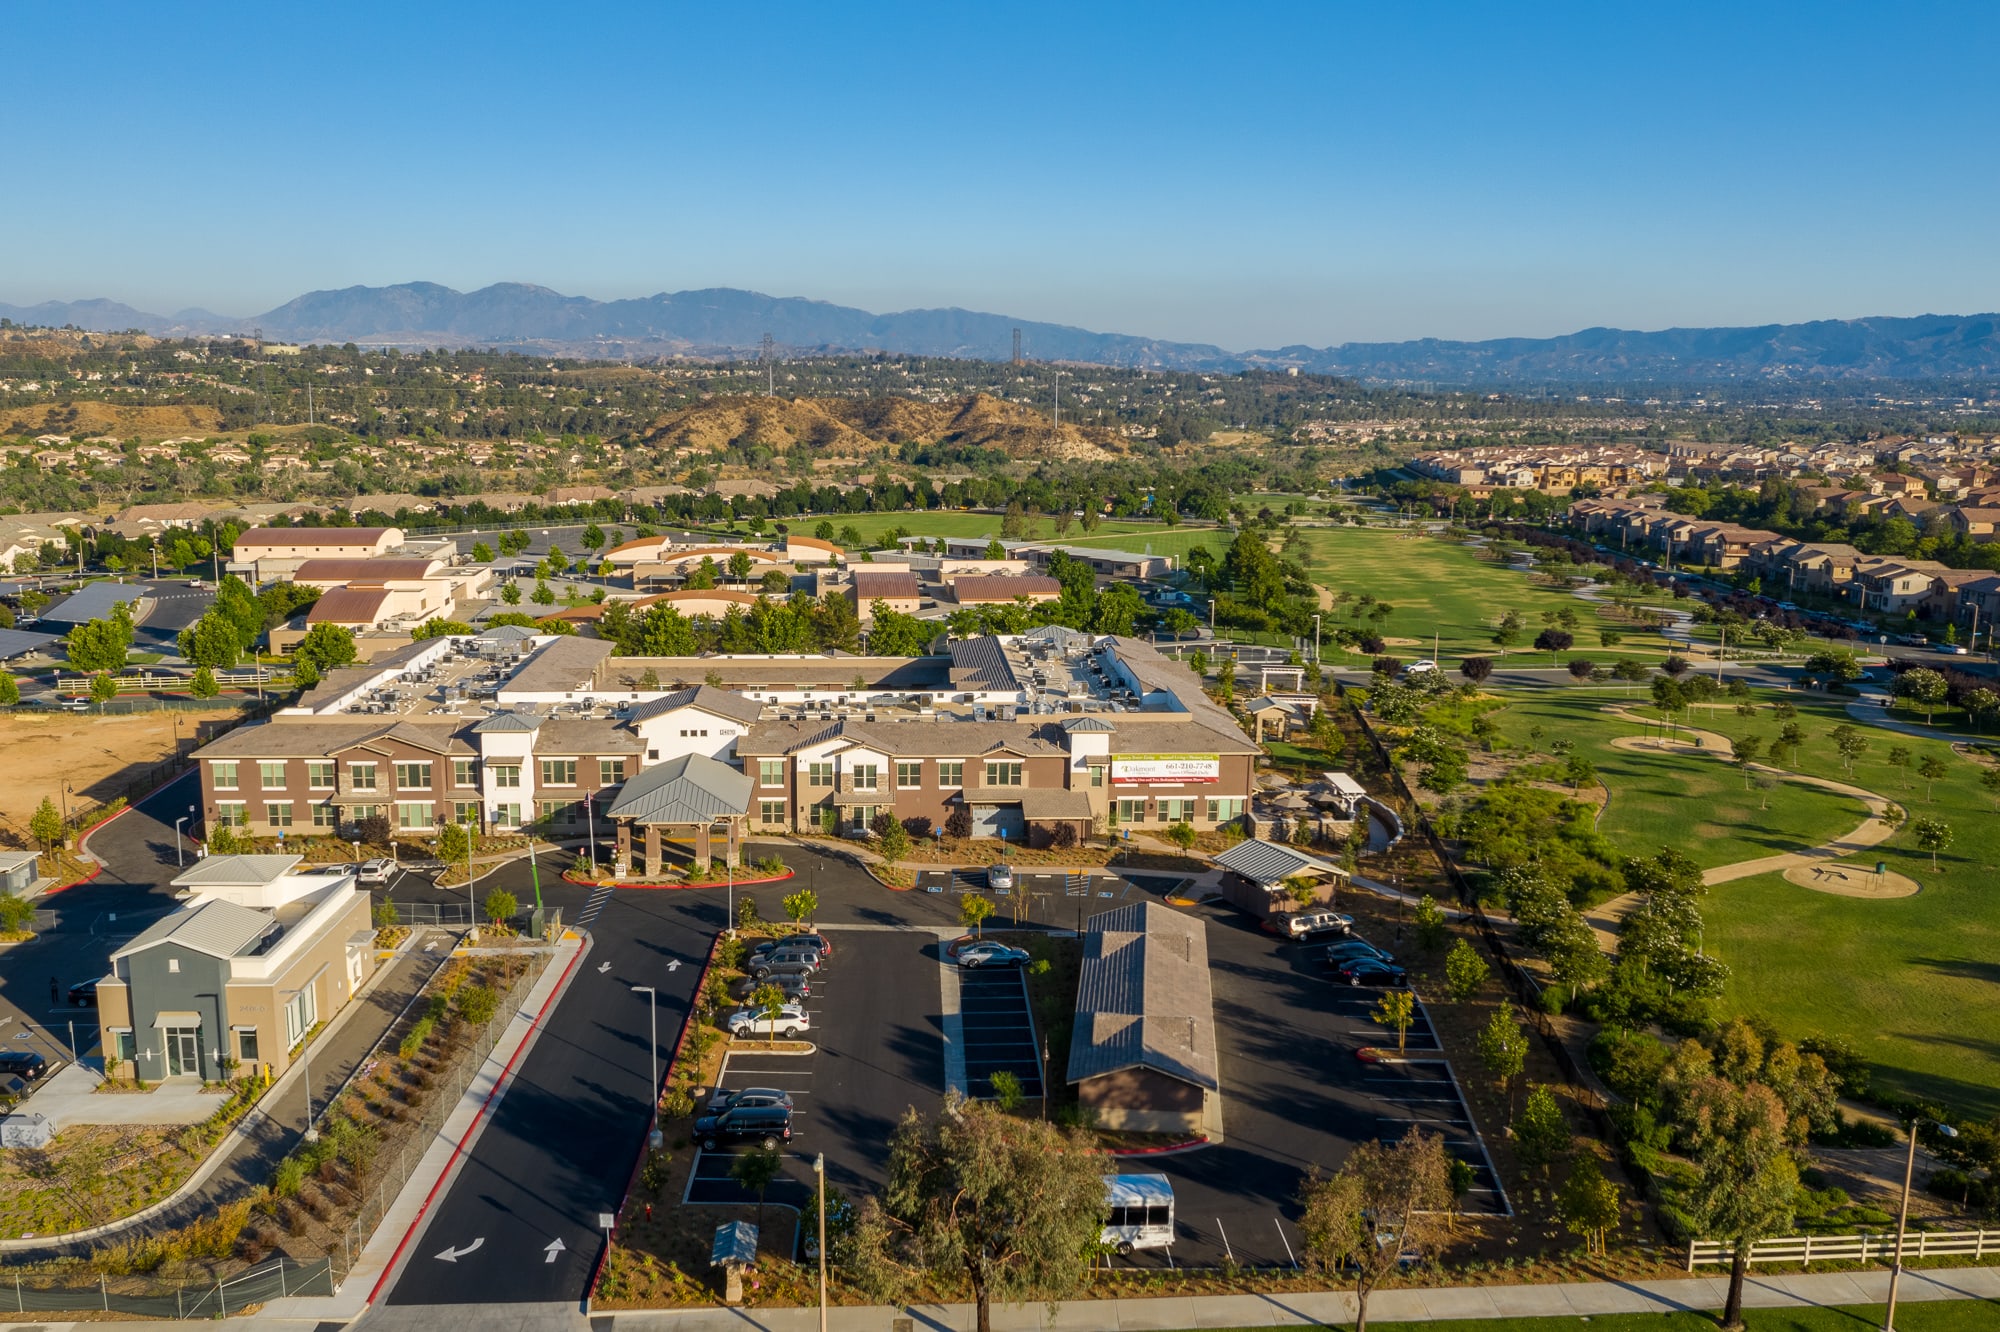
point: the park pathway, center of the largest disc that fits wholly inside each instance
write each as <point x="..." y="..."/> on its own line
<point x="1877" y="828"/>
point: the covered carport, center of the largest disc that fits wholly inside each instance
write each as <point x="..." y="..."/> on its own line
<point x="1259" y="876"/>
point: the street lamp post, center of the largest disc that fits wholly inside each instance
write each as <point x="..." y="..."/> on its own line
<point x="180" y="855"/>
<point x="305" y="1059"/>
<point x="819" y="1175"/>
<point x="1903" y="1216"/>
<point x="1211" y="617"/>
<point x="653" y="997"/>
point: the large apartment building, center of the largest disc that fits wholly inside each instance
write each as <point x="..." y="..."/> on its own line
<point x="1018" y="737"/>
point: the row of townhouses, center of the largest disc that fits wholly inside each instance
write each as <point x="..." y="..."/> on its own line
<point x="1787" y="566"/>
<point x="1019" y="737"/>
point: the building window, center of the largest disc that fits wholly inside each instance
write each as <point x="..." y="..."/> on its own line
<point x="1132" y="811"/>
<point x="325" y="816"/>
<point x="1222" y="811"/>
<point x="610" y="771"/>
<point x="224" y="774"/>
<point x="507" y="816"/>
<point x="278" y="813"/>
<point x="1177" y="811"/>
<point x="867" y="777"/>
<point x="363" y="813"/>
<point x="232" y="814"/>
<point x="505" y="774"/>
<point x="909" y="776"/>
<point x="556" y="811"/>
<point x="1003" y="774"/>
<point x="771" y="812"/>
<point x="1097" y="774"/>
<point x="465" y="773"/>
<point x="361" y="776"/>
<point x="301" y="1011"/>
<point x="271" y="776"/>
<point x="951" y="775"/>
<point x="174" y="965"/>
<point x="465" y="813"/>
<point x="864" y="815"/>
<point x="121" y="1042"/>
<point x="413" y="776"/>
<point x="558" y="772"/>
<point x="319" y="776"/>
<point x="246" y="1044"/>
<point x="819" y="774"/>
<point x="771" y="772"/>
<point x="413" y="814"/>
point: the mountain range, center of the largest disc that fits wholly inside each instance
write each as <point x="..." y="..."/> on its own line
<point x="725" y="321"/>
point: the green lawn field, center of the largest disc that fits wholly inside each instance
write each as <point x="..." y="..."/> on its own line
<point x="1928" y="1316"/>
<point x="1913" y="982"/>
<point x="1443" y="589"/>
<point x="1694" y="804"/>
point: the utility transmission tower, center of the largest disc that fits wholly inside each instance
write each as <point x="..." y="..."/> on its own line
<point x="770" y="368"/>
<point x="1017" y="346"/>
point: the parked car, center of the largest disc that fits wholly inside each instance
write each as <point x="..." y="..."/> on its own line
<point x="377" y="870"/>
<point x="1305" y="924"/>
<point x="791" y="1020"/>
<point x="809" y="939"/>
<point x="778" y="972"/>
<point x="329" y="871"/>
<point x="767" y="1125"/>
<point x="83" y="994"/>
<point x="23" y="1064"/>
<point x="986" y="953"/>
<point x="724" y="1099"/>
<point x="780" y="958"/>
<point x="792" y="987"/>
<point x="12" y="1089"/>
<point x="1371" y="971"/>
<point x="1421" y="666"/>
<point x="1000" y="876"/>
<point x="1350" y="949"/>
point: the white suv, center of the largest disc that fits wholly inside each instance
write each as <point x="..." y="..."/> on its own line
<point x="1303" y="924"/>
<point x="791" y="1020"/>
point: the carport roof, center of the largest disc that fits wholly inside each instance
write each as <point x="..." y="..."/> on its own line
<point x="1272" y="862"/>
<point x="92" y="602"/>
<point x="1143" y="997"/>
<point x="690" y="789"/>
<point x="20" y="642"/>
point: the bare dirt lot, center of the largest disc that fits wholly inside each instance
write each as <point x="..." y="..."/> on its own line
<point x="96" y="756"/>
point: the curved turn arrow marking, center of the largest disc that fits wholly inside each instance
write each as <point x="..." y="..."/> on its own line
<point x="453" y="1255"/>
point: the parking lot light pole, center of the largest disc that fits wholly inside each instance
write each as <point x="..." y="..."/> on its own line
<point x="1903" y="1216"/>
<point x="819" y="1174"/>
<point x="180" y="853"/>
<point x="653" y="996"/>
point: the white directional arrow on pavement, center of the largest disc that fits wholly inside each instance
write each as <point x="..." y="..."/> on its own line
<point x="673" y="964"/>
<point x="556" y="1246"/>
<point x="453" y="1255"/>
<point x="603" y="967"/>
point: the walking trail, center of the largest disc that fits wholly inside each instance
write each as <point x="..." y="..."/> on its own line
<point x="1809" y="867"/>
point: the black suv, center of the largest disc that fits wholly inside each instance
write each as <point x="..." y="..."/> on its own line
<point x="767" y="1125"/>
<point x="23" y="1064"/>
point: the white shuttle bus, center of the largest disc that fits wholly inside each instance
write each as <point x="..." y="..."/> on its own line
<point x="1142" y="1212"/>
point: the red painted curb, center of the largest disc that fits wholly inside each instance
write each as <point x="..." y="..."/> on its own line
<point x="679" y="887"/>
<point x="499" y="1084"/>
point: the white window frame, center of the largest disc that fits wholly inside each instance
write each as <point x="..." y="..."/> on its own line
<point x="611" y="771"/>
<point x="771" y="813"/>
<point x="232" y="813"/>
<point x="916" y="770"/>
<point x="771" y="772"/>
<point x="505" y="776"/>
<point x="321" y="775"/>
<point x="951" y="774"/>
<point x="1007" y="768"/>
<point x="264" y="782"/>
<point x="866" y="776"/>
<point x="403" y="808"/>
<point x="278" y="813"/>
<point x="465" y="773"/>
<point x="218" y="770"/>
<point x="355" y="781"/>
<point x="301" y="1012"/>
<point x="420" y="766"/>
<point x="566" y="769"/>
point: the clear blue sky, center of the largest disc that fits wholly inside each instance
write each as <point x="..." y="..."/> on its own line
<point x="1238" y="174"/>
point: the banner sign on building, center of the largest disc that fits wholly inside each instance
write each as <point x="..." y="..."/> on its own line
<point x="1166" y="769"/>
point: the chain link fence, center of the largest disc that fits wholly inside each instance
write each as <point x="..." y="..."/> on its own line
<point x="392" y="1169"/>
<point x="159" y="1297"/>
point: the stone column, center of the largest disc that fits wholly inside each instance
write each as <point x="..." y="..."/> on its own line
<point x="653" y="850"/>
<point x="624" y="845"/>
<point x="701" y="847"/>
<point x="734" y="854"/>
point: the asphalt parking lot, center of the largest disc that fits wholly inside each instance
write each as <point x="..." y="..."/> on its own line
<point x="1295" y="1097"/>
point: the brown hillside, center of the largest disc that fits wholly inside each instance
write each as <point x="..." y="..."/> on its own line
<point x="849" y="426"/>
<point x="82" y="419"/>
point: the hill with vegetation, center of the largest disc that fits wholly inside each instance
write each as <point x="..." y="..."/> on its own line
<point x="856" y="426"/>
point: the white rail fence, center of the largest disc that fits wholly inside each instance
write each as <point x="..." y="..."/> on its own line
<point x="1851" y="1248"/>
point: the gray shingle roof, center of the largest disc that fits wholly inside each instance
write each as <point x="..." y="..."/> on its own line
<point x="691" y="789"/>
<point x="1270" y="862"/>
<point x="1143" y="997"/>
<point x="708" y="698"/>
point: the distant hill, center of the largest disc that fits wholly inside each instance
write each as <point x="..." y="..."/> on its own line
<point x="851" y="425"/>
<point x="724" y="321"/>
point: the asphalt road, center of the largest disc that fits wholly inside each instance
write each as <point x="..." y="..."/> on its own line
<point x="91" y="920"/>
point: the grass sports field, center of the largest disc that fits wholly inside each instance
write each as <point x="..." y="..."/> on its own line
<point x="1913" y="982"/>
